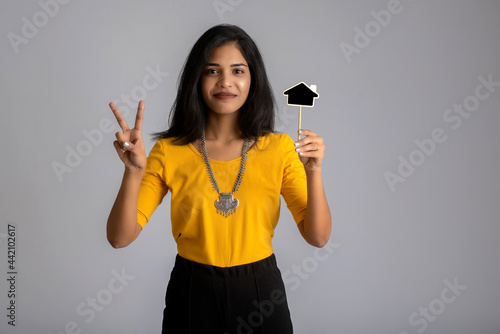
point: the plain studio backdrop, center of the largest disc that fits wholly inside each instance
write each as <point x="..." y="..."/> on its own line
<point x="409" y="111"/>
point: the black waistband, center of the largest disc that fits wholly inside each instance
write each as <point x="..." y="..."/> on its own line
<point x="264" y="265"/>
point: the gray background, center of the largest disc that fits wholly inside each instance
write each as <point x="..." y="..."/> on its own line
<point x="392" y="250"/>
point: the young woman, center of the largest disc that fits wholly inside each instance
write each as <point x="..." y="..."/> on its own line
<point x="226" y="169"/>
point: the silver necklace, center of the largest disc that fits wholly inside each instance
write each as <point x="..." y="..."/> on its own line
<point x="225" y="205"/>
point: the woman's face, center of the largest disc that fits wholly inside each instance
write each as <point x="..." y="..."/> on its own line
<point x="226" y="80"/>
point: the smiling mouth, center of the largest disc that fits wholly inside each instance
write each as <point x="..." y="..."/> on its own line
<point x="224" y="96"/>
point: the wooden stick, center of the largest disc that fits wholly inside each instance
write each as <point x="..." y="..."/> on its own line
<point x="300" y="119"/>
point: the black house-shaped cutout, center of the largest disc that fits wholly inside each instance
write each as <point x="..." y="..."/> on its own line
<point x="300" y="95"/>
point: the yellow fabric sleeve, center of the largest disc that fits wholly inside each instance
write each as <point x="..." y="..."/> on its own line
<point x="153" y="187"/>
<point x="294" y="185"/>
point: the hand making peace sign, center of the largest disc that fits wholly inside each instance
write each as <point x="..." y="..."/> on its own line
<point x="129" y="144"/>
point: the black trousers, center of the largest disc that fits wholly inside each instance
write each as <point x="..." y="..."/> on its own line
<point x="245" y="299"/>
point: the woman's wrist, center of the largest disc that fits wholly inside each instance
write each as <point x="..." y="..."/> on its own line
<point x="313" y="172"/>
<point x="133" y="174"/>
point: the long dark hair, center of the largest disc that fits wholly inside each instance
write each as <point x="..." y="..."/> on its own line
<point x="188" y="114"/>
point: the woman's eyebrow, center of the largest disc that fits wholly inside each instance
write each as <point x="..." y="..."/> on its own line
<point x="233" y="65"/>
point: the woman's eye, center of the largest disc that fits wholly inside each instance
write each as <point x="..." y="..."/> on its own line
<point x="238" y="71"/>
<point x="211" y="71"/>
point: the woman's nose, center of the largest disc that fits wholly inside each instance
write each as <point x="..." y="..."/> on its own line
<point x="224" y="81"/>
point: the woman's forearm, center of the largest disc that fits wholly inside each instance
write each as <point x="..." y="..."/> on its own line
<point x="122" y="227"/>
<point x="316" y="227"/>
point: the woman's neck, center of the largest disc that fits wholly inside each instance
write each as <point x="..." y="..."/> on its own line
<point x="223" y="128"/>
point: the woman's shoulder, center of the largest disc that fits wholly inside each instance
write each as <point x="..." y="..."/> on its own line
<point x="276" y="139"/>
<point x="274" y="136"/>
<point x="170" y="145"/>
<point x="166" y="141"/>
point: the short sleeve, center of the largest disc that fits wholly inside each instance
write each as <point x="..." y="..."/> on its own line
<point x="294" y="184"/>
<point x="153" y="186"/>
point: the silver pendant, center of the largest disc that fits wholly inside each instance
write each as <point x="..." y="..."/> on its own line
<point x="226" y="205"/>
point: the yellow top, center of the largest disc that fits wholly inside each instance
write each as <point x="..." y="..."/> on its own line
<point x="204" y="236"/>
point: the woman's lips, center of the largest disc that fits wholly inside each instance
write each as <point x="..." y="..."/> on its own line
<point x="224" y="96"/>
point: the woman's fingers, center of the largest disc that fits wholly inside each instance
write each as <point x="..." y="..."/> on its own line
<point x="119" y="117"/>
<point x="311" y="150"/>
<point x="311" y="141"/>
<point x="128" y="136"/>
<point x="131" y="136"/>
<point x="123" y="123"/>
<point x="311" y="146"/>
<point x="308" y="136"/>
<point x="121" y="137"/>
<point x="140" y="116"/>
<point x="119" y="149"/>
<point x="128" y="144"/>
